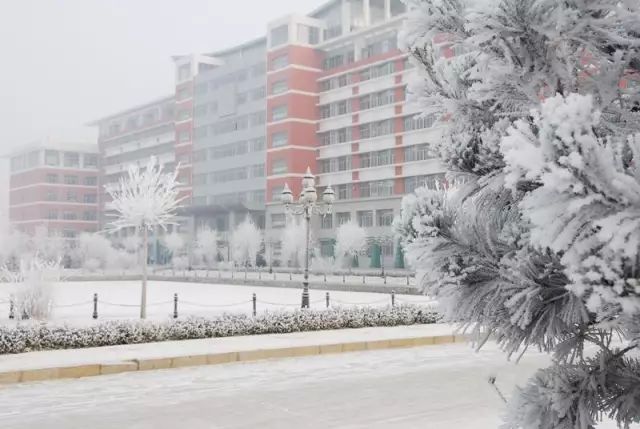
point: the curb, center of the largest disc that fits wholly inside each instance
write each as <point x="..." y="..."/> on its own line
<point x="109" y="368"/>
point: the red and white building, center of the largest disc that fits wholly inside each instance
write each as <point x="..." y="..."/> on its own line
<point x="54" y="185"/>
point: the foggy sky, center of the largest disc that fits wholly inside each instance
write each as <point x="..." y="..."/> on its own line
<point x="67" y="62"/>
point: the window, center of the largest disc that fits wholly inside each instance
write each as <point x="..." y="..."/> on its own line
<point x="241" y="97"/>
<point x="280" y="35"/>
<point x="201" y="88"/>
<point x="90" y="160"/>
<point x="374" y="159"/>
<point x="279" y="87"/>
<point x="257" y="170"/>
<point x="418" y="122"/>
<point x="279" y="139"/>
<point x="52" y="214"/>
<point x="259" y="93"/>
<point x="72" y="196"/>
<point x="381" y="188"/>
<point x="278" y="220"/>
<point x="326" y="221"/>
<point x="90" y="198"/>
<point x="276" y="193"/>
<point x="279" y="113"/>
<point x="184" y="72"/>
<point x="430" y="181"/>
<point x="365" y="218"/>
<point x="200" y="132"/>
<point x="257" y="119"/>
<point x="343" y="192"/>
<point x="90" y="215"/>
<point x="51" y="157"/>
<point x="418" y="153"/>
<point x="258" y="69"/>
<point x="70" y="180"/>
<point x="258" y="196"/>
<point x="52" y="178"/>
<point x="307" y="34"/>
<point x="69" y="215"/>
<point x="385" y="217"/>
<point x="279" y="166"/>
<point x="375" y="129"/>
<point x="184" y="136"/>
<point x="71" y="159"/>
<point x="183" y="94"/>
<point x="233" y="174"/>
<point x="257" y="144"/>
<point x="343" y="217"/>
<point x="184" y="114"/>
<point x="33" y="159"/>
<point x="52" y="196"/>
<point x="91" y="181"/>
<point x="279" y="62"/>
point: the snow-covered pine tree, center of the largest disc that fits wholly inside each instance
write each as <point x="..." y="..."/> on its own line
<point x="536" y="239"/>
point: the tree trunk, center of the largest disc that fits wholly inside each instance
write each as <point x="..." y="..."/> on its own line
<point x="145" y="257"/>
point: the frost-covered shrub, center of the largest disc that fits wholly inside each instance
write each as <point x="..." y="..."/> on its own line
<point x="351" y="241"/>
<point x="26" y="337"/>
<point x="34" y="281"/>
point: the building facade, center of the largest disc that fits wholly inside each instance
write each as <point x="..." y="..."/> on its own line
<point x="54" y="185"/>
<point x="325" y="91"/>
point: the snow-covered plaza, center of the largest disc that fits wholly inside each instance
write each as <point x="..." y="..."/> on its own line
<point x="73" y="301"/>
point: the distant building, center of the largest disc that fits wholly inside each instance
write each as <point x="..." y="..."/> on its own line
<point x="325" y="91"/>
<point x="55" y="185"/>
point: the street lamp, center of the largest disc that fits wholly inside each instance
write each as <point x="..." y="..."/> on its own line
<point x="307" y="205"/>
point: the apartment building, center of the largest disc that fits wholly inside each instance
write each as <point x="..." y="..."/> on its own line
<point x="337" y="103"/>
<point x="325" y="91"/>
<point x="54" y="184"/>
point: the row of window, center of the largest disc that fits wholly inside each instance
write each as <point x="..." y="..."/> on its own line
<point x="419" y="152"/>
<point x="71" y="196"/>
<point x="374" y="129"/>
<point x="230" y="149"/>
<point x="226" y="126"/>
<point x="256" y="70"/>
<point x="54" y="158"/>
<point x="365" y="74"/>
<point x="144" y="120"/>
<point x="88" y="215"/>
<point x="368" y="101"/>
<point x="252" y="197"/>
<point x="72" y="180"/>
<point x="229" y="175"/>
<point x="365" y="218"/>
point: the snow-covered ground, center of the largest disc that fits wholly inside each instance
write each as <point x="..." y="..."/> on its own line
<point x="118" y="300"/>
<point x="435" y="387"/>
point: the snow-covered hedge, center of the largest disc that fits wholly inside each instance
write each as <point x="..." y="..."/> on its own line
<point x="33" y="336"/>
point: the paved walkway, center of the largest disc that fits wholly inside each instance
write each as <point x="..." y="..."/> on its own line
<point x="56" y="364"/>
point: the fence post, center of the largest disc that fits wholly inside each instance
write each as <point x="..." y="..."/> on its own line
<point x="325" y="277"/>
<point x="407" y="280"/>
<point x="385" y="279"/>
<point x="219" y="274"/>
<point x="12" y="308"/>
<point x="259" y="274"/>
<point x="343" y="280"/>
<point x="175" y="305"/>
<point x="232" y="272"/>
<point x="290" y="276"/>
<point x="245" y="273"/>
<point x="95" y="306"/>
<point x="362" y="279"/>
<point x="254" y="300"/>
<point x="328" y="299"/>
<point x="393" y="298"/>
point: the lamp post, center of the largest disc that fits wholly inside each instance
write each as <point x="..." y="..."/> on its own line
<point x="306" y="206"/>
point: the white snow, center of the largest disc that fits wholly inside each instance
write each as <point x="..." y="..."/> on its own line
<point x="435" y="387"/>
<point x="121" y="300"/>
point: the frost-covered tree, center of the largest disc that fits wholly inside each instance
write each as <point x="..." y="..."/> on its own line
<point x="206" y="246"/>
<point x="175" y="244"/>
<point x="534" y="240"/>
<point x="144" y="199"/>
<point x="351" y="241"/>
<point x="245" y="243"/>
<point x="94" y="252"/>
<point x="294" y="242"/>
